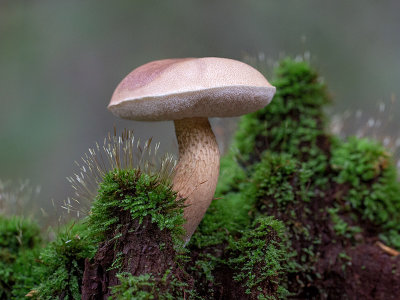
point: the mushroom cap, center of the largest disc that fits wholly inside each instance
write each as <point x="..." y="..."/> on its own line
<point x="181" y="88"/>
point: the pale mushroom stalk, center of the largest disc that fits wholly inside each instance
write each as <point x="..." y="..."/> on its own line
<point x="197" y="171"/>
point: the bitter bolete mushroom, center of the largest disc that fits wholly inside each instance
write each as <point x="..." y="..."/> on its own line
<point x="189" y="91"/>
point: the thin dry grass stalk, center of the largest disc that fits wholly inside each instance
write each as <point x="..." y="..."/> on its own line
<point x="119" y="151"/>
<point x="387" y="249"/>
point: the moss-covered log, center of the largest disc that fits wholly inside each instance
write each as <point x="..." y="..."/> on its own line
<point x="138" y="222"/>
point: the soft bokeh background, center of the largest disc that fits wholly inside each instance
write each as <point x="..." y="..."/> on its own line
<point x="61" y="60"/>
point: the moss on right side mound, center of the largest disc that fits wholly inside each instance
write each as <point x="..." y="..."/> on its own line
<point x="371" y="194"/>
<point x="258" y="258"/>
<point x="330" y="195"/>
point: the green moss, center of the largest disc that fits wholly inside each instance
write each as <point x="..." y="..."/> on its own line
<point x="20" y="242"/>
<point x="283" y="188"/>
<point x="259" y="256"/>
<point x="18" y="234"/>
<point x="62" y="263"/>
<point x="391" y="237"/>
<point x="341" y="227"/>
<point x="227" y="215"/>
<point x="359" y="160"/>
<point x="293" y="121"/>
<point x="207" y="263"/>
<point x="234" y="210"/>
<point x="229" y="212"/>
<point x="261" y="249"/>
<point x="147" y="286"/>
<point x="374" y="192"/>
<point x="245" y="137"/>
<point x="141" y="195"/>
<point x="283" y="179"/>
<point x="232" y="176"/>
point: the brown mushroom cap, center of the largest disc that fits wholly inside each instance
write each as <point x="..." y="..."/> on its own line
<point x="173" y="89"/>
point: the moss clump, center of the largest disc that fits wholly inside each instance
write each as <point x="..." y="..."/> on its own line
<point x="281" y="181"/>
<point x="234" y="238"/>
<point x="135" y="213"/>
<point x="341" y="227"/>
<point x="282" y="189"/>
<point x="128" y="202"/>
<point x="232" y="174"/>
<point x="130" y="206"/>
<point x="258" y="258"/>
<point x="372" y="191"/>
<point x="293" y="122"/>
<point x="62" y="263"/>
<point x="140" y="195"/>
<point x="147" y="286"/>
<point x="20" y="243"/>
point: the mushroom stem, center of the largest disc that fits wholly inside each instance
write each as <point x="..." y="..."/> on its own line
<point x="197" y="171"/>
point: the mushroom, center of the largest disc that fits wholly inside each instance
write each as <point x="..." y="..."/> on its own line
<point x="189" y="91"/>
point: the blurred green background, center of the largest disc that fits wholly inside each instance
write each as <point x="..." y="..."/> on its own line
<point x="60" y="61"/>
